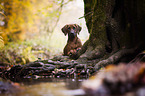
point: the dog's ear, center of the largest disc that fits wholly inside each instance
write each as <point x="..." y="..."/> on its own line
<point x="64" y="30"/>
<point x="78" y="28"/>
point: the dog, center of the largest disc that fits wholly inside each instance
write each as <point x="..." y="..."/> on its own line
<point x="73" y="43"/>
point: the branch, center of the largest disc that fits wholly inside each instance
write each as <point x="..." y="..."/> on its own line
<point x="60" y="8"/>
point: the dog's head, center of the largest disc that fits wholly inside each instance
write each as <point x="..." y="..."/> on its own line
<point x="71" y="29"/>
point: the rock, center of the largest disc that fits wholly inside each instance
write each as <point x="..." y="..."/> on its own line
<point x="62" y="67"/>
<point x="140" y="92"/>
<point x="64" y="73"/>
<point x="44" y="72"/>
<point x="116" y="80"/>
<point x="49" y="68"/>
<point x="33" y="68"/>
<point x="35" y="64"/>
<point x="8" y="87"/>
<point x="49" y="65"/>
<point x="60" y="58"/>
<point x="50" y="62"/>
<point x="80" y="67"/>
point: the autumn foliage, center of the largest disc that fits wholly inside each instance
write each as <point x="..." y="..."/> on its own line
<point x="27" y="18"/>
<point x="24" y="26"/>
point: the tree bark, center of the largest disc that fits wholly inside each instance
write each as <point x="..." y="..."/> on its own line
<point x="114" y="25"/>
<point x="95" y="18"/>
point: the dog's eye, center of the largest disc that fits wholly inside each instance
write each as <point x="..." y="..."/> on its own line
<point x="74" y="27"/>
<point x="69" y="28"/>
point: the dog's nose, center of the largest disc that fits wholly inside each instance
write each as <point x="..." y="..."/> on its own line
<point x="72" y="32"/>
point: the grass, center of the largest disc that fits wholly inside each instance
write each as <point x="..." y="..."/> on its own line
<point x="22" y="52"/>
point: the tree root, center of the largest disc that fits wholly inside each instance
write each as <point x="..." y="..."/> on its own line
<point x="114" y="58"/>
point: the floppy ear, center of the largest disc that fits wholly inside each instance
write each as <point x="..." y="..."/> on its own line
<point x="64" y="30"/>
<point x="78" y="28"/>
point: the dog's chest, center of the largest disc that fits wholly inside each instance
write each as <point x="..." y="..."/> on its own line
<point x="73" y="44"/>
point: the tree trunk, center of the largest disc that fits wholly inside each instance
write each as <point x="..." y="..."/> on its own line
<point x="114" y="25"/>
<point x="95" y="18"/>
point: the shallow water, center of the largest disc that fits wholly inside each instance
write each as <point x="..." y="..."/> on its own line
<point x="49" y="87"/>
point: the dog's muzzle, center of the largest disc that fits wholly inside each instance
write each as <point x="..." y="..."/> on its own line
<point x="72" y="33"/>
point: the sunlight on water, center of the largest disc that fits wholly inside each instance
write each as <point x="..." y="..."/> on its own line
<point x="49" y="87"/>
<point x="44" y="89"/>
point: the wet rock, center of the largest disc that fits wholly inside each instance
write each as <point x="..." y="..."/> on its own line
<point x="91" y="70"/>
<point x="80" y="67"/>
<point x="82" y="71"/>
<point x="33" y="68"/>
<point x="140" y="91"/>
<point x="50" y="62"/>
<point x="70" y="71"/>
<point x="115" y="80"/>
<point x="3" y="68"/>
<point x="49" y="68"/>
<point x="62" y="67"/>
<point x="60" y="58"/>
<point x="8" y="87"/>
<point x="43" y="72"/>
<point x="35" y="64"/>
<point x="49" y="65"/>
<point x="64" y="73"/>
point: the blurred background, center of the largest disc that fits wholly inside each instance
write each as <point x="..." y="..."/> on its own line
<point x="31" y="29"/>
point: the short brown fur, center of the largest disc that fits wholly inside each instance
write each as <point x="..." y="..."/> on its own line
<point x="73" y="43"/>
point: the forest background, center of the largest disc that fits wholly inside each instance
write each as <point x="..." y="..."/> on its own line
<point x="31" y="29"/>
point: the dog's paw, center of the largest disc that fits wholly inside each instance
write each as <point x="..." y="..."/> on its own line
<point x="78" y="49"/>
<point x="72" y="52"/>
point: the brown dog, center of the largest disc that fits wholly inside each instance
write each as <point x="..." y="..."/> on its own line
<point x="73" y="43"/>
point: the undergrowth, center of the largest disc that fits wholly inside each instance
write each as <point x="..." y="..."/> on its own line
<point x="22" y="52"/>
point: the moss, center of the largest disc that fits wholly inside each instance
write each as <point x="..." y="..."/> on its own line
<point x="98" y="29"/>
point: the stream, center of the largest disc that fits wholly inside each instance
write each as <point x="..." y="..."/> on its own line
<point x="57" y="77"/>
<point x="65" y="77"/>
<point x="49" y="87"/>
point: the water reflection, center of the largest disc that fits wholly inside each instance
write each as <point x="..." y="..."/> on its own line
<point x="49" y="87"/>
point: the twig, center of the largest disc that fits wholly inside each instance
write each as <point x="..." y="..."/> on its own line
<point x="86" y="14"/>
<point x="60" y="8"/>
